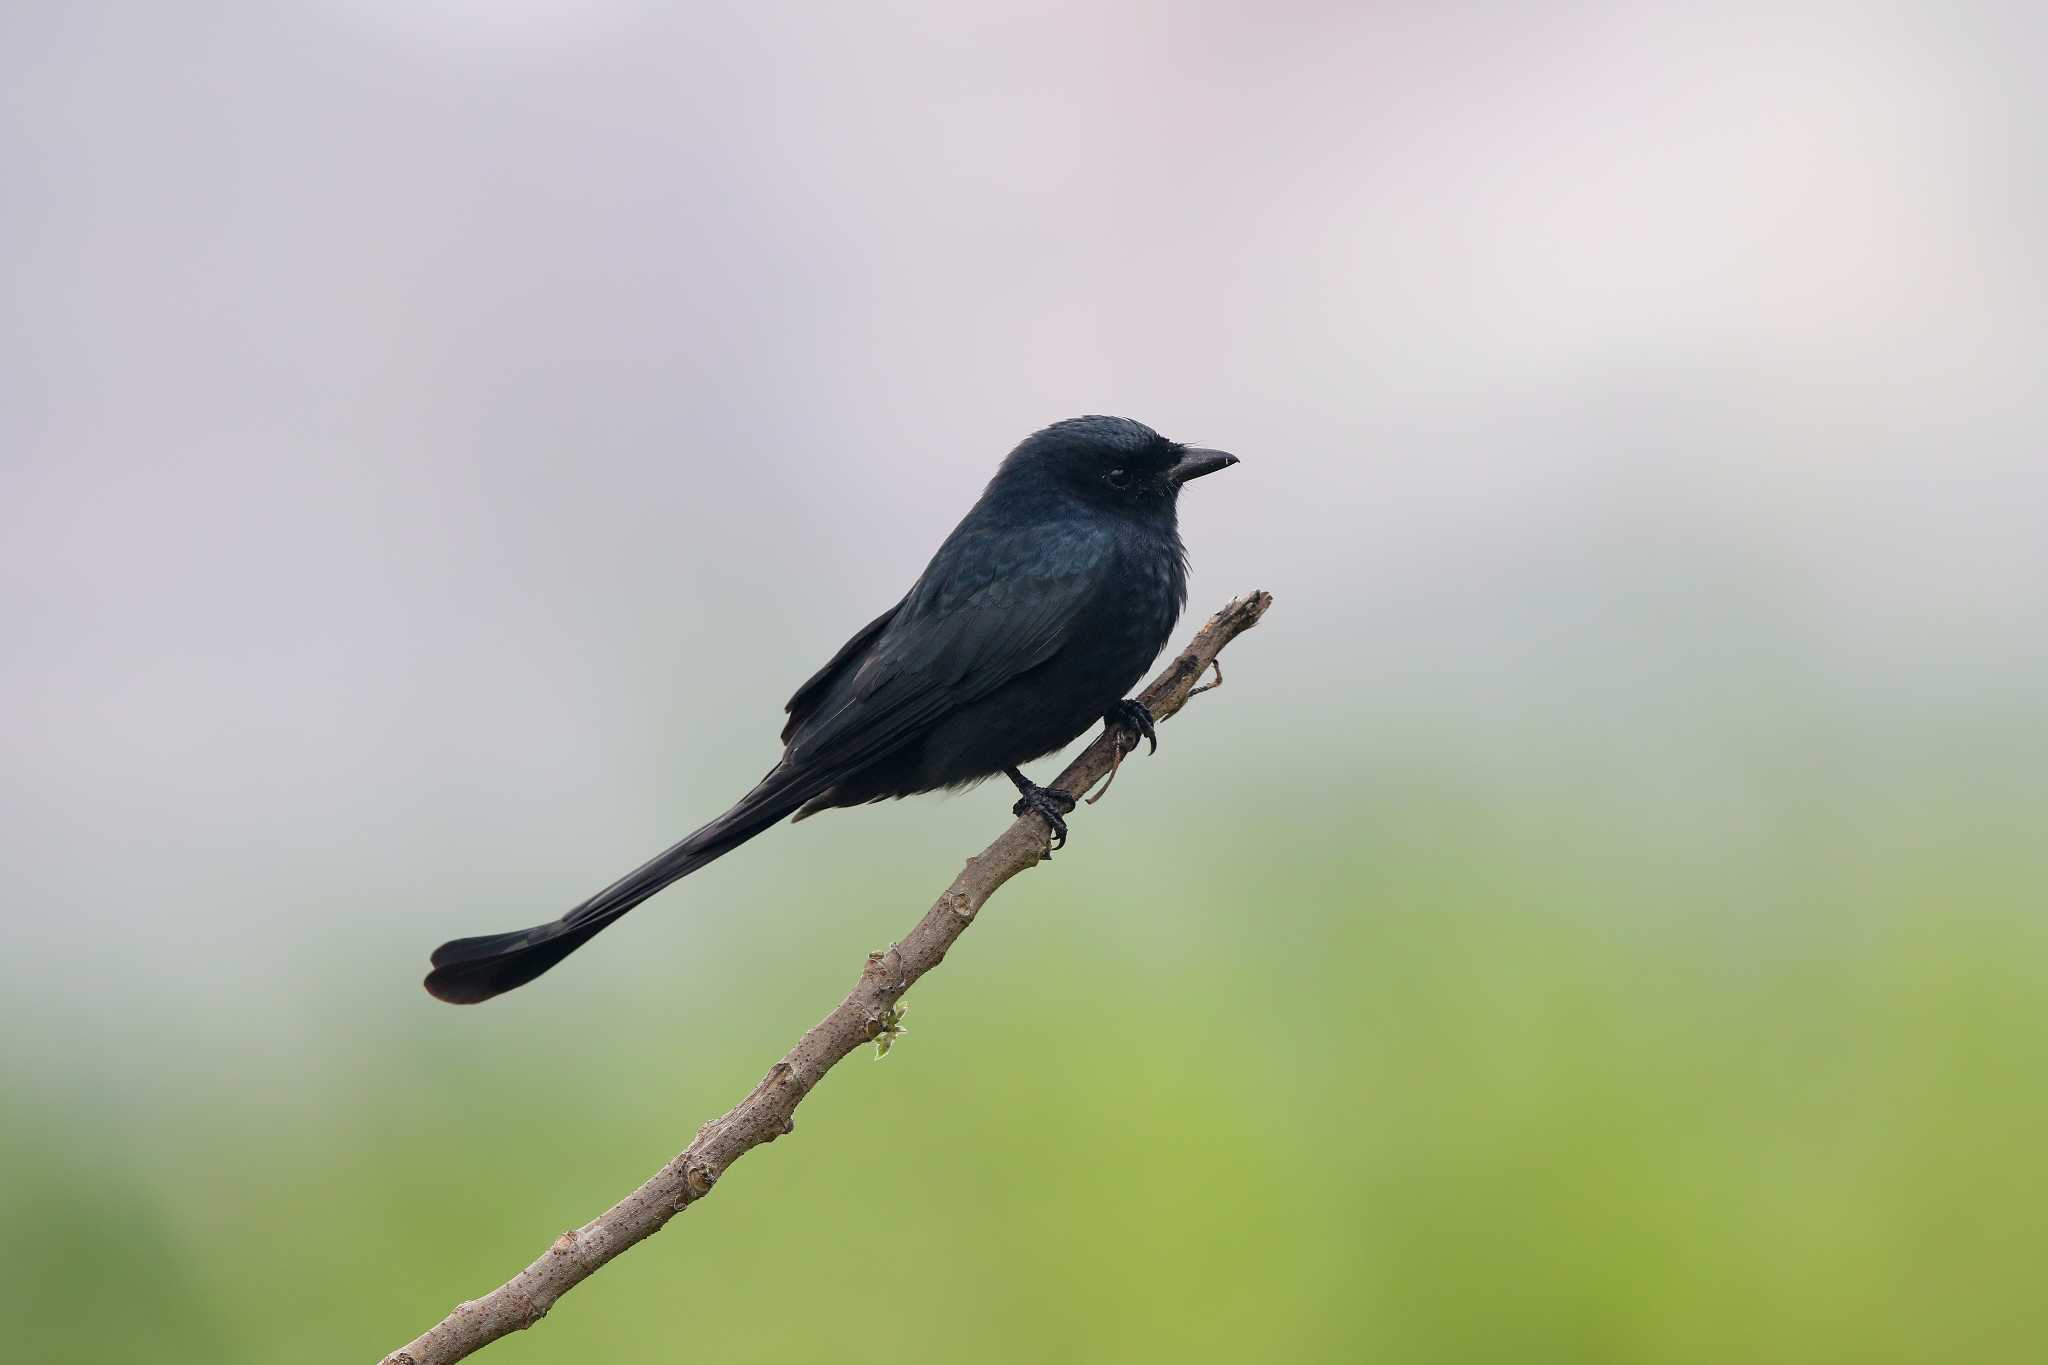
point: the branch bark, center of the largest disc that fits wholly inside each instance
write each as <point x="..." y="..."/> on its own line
<point x="868" y="1010"/>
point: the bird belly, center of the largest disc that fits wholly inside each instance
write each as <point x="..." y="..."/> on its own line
<point x="1026" y="718"/>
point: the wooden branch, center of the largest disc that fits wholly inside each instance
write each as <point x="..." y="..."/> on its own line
<point x="868" y="1010"/>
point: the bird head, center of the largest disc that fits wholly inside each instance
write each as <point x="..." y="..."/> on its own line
<point x="1112" y="462"/>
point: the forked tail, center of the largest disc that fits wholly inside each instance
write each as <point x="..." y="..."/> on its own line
<point x="468" y="970"/>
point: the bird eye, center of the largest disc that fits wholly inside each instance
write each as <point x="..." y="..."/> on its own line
<point x="1118" y="478"/>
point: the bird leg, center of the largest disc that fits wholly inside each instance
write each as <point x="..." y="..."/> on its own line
<point x="1053" y="807"/>
<point x="1135" y="719"/>
<point x="1130" y="720"/>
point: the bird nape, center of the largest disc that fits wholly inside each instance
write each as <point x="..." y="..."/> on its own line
<point x="1041" y="609"/>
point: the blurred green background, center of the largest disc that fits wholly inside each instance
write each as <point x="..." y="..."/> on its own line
<point x="1323" y="1065"/>
<point x="1600" y="919"/>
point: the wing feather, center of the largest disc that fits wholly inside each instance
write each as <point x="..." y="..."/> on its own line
<point x="805" y="701"/>
<point x="994" y="605"/>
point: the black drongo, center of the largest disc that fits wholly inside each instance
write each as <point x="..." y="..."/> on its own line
<point x="1031" y="622"/>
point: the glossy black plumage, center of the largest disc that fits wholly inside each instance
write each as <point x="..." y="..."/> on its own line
<point x="1036" y="615"/>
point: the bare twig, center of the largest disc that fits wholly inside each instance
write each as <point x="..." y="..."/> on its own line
<point x="1116" y="764"/>
<point x="869" y="1009"/>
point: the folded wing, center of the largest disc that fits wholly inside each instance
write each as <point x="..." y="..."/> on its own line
<point x="993" y="605"/>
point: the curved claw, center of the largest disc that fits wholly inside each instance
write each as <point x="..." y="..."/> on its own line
<point x="1136" y="717"/>
<point x="1052" y="806"/>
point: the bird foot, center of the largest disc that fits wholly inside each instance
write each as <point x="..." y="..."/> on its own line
<point x="1053" y="806"/>
<point x="1134" y="718"/>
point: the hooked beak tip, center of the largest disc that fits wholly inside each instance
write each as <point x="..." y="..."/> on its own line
<point x="1195" y="462"/>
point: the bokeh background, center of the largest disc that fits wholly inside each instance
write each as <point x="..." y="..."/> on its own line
<point x="1601" y="919"/>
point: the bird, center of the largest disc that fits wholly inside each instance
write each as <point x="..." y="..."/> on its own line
<point x="1030" y="624"/>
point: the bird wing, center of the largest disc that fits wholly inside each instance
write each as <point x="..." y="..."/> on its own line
<point x="804" y="703"/>
<point x="994" y="604"/>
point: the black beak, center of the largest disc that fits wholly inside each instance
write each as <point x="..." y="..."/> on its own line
<point x="1195" y="462"/>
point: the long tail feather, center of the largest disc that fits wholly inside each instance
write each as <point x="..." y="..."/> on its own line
<point x="469" y="970"/>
